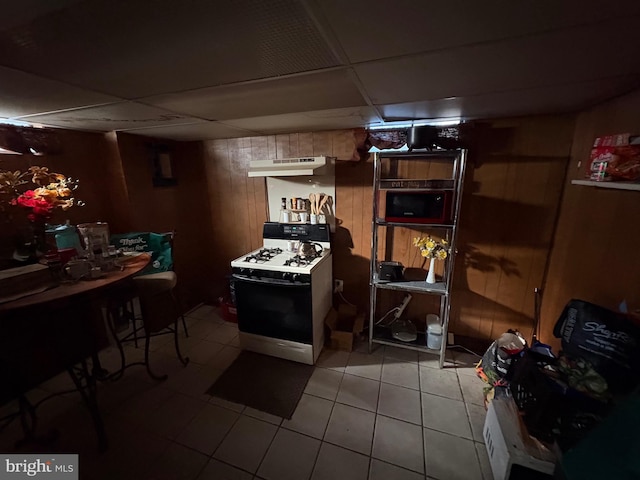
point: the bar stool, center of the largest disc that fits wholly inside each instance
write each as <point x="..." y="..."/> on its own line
<point x="160" y="311"/>
<point x="167" y="279"/>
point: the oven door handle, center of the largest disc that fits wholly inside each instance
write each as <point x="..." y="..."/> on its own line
<point x="270" y="281"/>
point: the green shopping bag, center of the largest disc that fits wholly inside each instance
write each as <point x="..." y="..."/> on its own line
<point x="157" y="244"/>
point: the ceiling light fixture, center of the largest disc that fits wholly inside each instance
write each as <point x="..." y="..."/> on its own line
<point x="6" y="151"/>
<point x="35" y="152"/>
<point x="436" y="122"/>
<point x="16" y="123"/>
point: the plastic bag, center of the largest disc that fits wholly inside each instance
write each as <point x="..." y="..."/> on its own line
<point x="495" y="363"/>
<point x="155" y="243"/>
<point x="625" y="163"/>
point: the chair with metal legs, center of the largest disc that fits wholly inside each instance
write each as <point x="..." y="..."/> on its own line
<point x="160" y="312"/>
<point x="167" y="279"/>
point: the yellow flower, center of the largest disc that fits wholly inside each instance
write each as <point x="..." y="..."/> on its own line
<point x="42" y="176"/>
<point x="45" y="193"/>
<point x="432" y="248"/>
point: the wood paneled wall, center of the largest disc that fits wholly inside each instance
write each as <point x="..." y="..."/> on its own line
<point x="184" y="208"/>
<point x="595" y="257"/>
<point x="239" y="203"/>
<point x="115" y="172"/>
<point x="516" y="181"/>
<point x="88" y="157"/>
<point x="512" y="193"/>
<point x="513" y="186"/>
<point x="509" y="212"/>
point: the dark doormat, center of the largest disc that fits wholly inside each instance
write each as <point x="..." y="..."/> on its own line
<point x="268" y="384"/>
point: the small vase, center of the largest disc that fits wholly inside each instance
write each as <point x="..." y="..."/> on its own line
<point x="431" y="276"/>
<point x="30" y="242"/>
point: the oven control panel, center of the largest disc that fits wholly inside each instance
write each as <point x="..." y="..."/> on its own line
<point x="314" y="233"/>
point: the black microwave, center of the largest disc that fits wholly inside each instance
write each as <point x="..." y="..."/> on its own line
<point x="418" y="207"/>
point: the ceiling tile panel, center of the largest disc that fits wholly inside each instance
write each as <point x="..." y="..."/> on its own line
<point x="23" y="94"/>
<point x="195" y="131"/>
<point x="15" y="14"/>
<point x="309" y="121"/>
<point x="556" y="99"/>
<point x="275" y="66"/>
<point x="136" y="49"/>
<point x="408" y="26"/>
<point x="118" y="116"/>
<point x="580" y="54"/>
<point x="319" y="91"/>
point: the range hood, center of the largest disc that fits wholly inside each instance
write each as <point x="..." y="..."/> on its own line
<point x="289" y="167"/>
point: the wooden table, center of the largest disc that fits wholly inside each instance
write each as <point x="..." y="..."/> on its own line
<point x="44" y="334"/>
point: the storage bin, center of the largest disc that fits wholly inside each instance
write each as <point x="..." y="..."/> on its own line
<point x="512" y="454"/>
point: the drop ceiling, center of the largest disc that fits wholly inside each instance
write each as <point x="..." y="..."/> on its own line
<point x="207" y="69"/>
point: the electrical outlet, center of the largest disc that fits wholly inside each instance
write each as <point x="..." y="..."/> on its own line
<point x="338" y="285"/>
<point x="450" y="338"/>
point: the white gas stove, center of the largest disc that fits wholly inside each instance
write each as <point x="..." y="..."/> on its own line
<point x="282" y="297"/>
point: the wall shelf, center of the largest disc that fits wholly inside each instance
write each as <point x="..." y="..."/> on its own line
<point x="419" y="286"/>
<point x="612" y="185"/>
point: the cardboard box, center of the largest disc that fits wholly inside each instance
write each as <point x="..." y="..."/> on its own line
<point x="344" y="325"/>
<point x="16" y="282"/>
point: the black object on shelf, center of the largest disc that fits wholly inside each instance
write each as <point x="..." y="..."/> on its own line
<point x="391" y="271"/>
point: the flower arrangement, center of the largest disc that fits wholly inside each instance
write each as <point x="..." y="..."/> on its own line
<point x="431" y="248"/>
<point x="52" y="191"/>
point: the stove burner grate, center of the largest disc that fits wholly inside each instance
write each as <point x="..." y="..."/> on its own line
<point x="298" y="261"/>
<point x="264" y="255"/>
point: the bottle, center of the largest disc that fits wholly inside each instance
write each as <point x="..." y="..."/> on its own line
<point x="284" y="213"/>
<point x="88" y="247"/>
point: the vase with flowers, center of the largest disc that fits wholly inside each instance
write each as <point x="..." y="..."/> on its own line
<point x="38" y="193"/>
<point x="432" y="249"/>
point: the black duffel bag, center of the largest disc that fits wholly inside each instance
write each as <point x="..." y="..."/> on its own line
<point x="607" y="339"/>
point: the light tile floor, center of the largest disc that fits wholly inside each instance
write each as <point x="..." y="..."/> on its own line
<point x="390" y="415"/>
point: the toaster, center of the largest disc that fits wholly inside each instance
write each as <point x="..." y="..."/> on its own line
<point x="391" y="271"/>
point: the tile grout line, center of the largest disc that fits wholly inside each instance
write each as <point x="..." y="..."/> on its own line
<point x="473" y="441"/>
<point x="375" y="420"/>
<point x="210" y="456"/>
<point x="375" y="424"/>
<point x="255" y="474"/>
<point x="315" y="461"/>
<point x="422" y="427"/>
